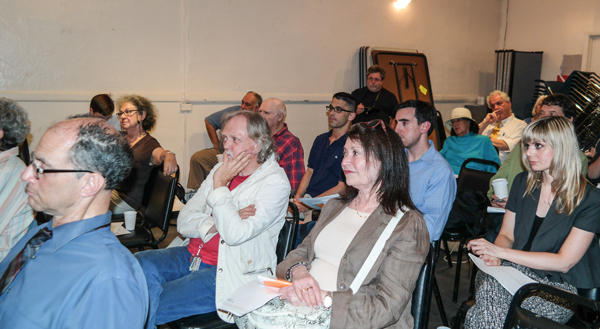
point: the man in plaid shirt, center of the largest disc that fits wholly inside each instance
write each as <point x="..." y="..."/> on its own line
<point x="289" y="148"/>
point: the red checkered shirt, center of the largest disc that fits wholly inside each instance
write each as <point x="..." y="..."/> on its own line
<point x="291" y="155"/>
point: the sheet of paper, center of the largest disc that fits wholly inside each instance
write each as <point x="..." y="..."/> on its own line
<point x="495" y="210"/>
<point x="248" y="297"/>
<point x="118" y="229"/>
<point x="509" y="277"/>
<point x="314" y="202"/>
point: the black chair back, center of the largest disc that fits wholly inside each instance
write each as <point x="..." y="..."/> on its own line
<point x="421" y="297"/>
<point x="518" y="317"/>
<point x="161" y="199"/>
<point x="287" y="235"/>
<point x="474" y="179"/>
<point x="24" y="152"/>
<point x="158" y="212"/>
<point x="441" y="132"/>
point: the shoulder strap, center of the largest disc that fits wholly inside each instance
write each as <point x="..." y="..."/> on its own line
<point x="375" y="252"/>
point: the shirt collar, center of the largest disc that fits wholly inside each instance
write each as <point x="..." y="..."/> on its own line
<point x="8" y="153"/>
<point x="428" y="156"/>
<point x="63" y="234"/>
<point x="505" y="121"/>
<point x="282" y="131"/>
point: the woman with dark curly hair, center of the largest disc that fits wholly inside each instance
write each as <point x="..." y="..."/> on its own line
<point x="15" y="213"/>
<point x="138" y="116"/>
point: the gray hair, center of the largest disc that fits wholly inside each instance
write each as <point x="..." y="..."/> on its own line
<point x="258" y="131"/>
<point x="100" y="148"/>
<point x="502" y="94"/>
<point x="13" y="121"/>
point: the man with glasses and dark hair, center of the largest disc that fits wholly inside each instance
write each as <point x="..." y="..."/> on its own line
<point x="374" y="101"/>
<point x="432" y="182"/>
<point x="324" y="173"/>
<point x="72" y="272"/>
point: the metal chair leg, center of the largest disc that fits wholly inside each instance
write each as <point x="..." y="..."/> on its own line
<point x="440" y="303"/>
<point x="448" y="256"/>
<point x="472" y="281"/>
<point x="457" y="275"/>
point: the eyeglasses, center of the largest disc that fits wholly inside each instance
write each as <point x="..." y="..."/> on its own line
<point x="374" y="79"/>
<point x="126" y="112"/>
<point x="374" y="123"/>
<point x="337" y="109"/>
<point x="39" y="170"/>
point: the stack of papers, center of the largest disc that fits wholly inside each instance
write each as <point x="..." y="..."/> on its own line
<point x="252" y="295"/>
<point x="315" y="202"/>
<point x="509" y="277"/>
<point x="495" y="210"/>
<point x="118" y="229"/>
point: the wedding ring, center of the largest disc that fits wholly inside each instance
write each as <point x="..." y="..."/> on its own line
<point x="306" y="289"/>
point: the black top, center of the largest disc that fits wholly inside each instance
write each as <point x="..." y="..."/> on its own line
<point x="537" y="222"/>
<point x="132" y="187"/>
<point x="382" y="109"/>
<point x="554" y="230"/>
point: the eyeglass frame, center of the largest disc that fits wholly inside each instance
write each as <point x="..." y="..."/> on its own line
<point x="337" y="110"/>
<point x="119" y="114"/>
<point x="39" y="170"/>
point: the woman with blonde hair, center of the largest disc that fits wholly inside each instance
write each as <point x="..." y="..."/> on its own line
<point x="549" y="229"/>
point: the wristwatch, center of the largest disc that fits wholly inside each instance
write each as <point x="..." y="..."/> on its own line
<point x="327" y="300"/>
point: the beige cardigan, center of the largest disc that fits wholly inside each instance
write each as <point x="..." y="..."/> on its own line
<point x="384" y="299"/>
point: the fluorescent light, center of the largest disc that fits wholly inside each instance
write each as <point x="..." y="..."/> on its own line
<point x="400" y="4"/>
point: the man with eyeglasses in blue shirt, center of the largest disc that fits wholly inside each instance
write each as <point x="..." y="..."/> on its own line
<point x="73" y="272"/>
<point x="324" y="173"/>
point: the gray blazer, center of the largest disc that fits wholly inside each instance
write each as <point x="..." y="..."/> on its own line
<point x="384" y="299"/>
<point x="554" y="231"/>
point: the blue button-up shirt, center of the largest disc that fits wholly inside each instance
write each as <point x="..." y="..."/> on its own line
<point x="432" y="189"/>
<point x="81" y="278"/>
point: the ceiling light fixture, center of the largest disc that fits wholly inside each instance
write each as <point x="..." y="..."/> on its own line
<point x="401" y="4"/>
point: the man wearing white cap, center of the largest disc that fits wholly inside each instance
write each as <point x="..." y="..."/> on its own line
<point x="464" y="143"/>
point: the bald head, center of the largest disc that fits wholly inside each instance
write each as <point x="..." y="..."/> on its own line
<point x="274" y="111"/>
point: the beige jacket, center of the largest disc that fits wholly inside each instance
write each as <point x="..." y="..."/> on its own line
<point x="384" y="299"/>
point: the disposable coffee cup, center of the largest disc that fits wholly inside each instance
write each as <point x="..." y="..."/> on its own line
<point x="130" y="220"/>
<point x="500" y="186"/>
<point x="220" y="157"/>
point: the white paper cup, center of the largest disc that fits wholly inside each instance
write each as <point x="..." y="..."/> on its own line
<point x="130" y="220"/>
<point x="220" y="157"/>
<point x="500" y="186"/>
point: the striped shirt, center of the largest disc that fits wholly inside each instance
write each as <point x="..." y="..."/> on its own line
<point x="15" y="213"/>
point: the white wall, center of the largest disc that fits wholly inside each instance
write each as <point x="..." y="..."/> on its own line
<point x="556" y="27"/>
<point x="56" y="54"/>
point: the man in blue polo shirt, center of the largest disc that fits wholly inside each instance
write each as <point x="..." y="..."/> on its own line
<point x="324" y="173"/>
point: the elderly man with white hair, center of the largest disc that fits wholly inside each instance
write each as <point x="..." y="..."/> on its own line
<point x="289" y="148"/>
<point x="232" y="225"/>
<point x="501" y="126"/>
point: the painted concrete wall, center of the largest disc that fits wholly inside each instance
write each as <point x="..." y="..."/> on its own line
<point x="56" y="54"/>
<point x="556" y="27"/>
